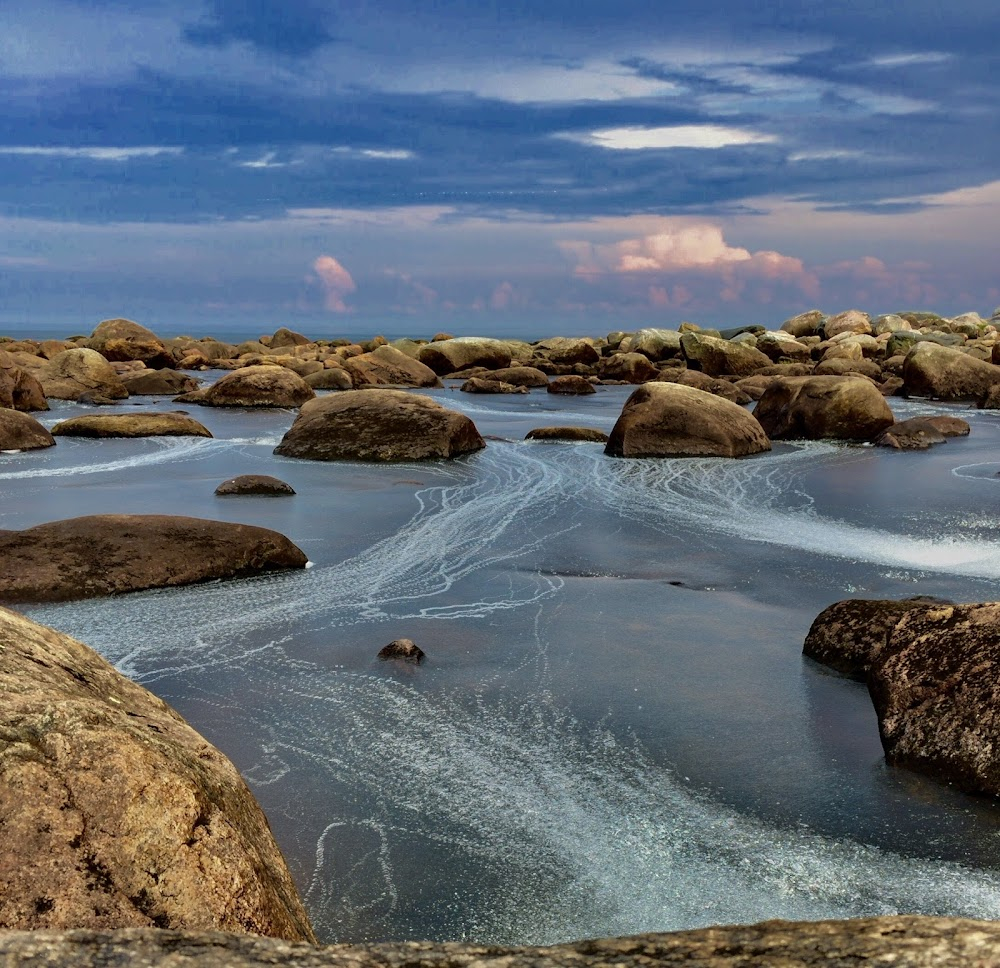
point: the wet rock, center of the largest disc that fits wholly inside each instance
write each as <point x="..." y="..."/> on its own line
<point x="402" y="650"/>
<point x="388" y="366"/>
<point x="480" y="385"/>
<point x="131" y="425"/>
<point x="823" y="407"/>
<point x="21" y="431"/>
<point x="455" y="355"/>
<point x="121" y="340"/>
<point x="378" y="425"/>
<point x="254" y="386"/>
<point x="920" y="433"/>
<point x="73" y="372"/>
<point x="944" y="373"/>
<point x="107" y="554"/>
<point x="673" y="420"/>
<point x="19" y="388"/>
<point x="571" y="385"/>
<point x="115" y="813"/>
<point x="261" y="484"/>
<point x="719" y="357"/>
<point x="567" y="433"/>
<point x="154" y="382"/>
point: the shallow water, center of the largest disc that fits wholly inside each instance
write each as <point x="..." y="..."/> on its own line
<point x="615" y="730"/>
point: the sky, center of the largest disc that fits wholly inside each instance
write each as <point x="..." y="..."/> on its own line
<point x="494" y="168"/>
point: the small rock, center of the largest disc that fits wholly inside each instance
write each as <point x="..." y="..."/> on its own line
<point x="567" y="433"/>
<point x="405" y="650"/>
<point x="571" y="385"/>
<point x="254" y="484"/>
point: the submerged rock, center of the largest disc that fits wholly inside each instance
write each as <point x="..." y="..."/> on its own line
<point x="402" y="650"/>
<point x="21" y="431"/>
<point x="254" y="484"/>
<point x="131" y="425"/>
<point x="567" y="433"/>
<point x="919" y="433"/>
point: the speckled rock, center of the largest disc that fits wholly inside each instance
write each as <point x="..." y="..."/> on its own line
<point x="131" y="425"/>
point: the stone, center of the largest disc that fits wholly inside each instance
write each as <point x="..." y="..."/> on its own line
<point x="850" y="321"/>
<point x="945" y="373"/>
<point x="571" y="385"/>
<point x="73" y="372"/>
<point x="257" y="484"/>
<point x="21" y="431"/>
<point x="783" y="347"/>
<point x="575" y="434"/>
<point x="107" y="554"/>
<point x="378" y="425"/>
<point x="115" y="812"/>
<point x="673" y="420"/>
<point x="519" y="376"/>
<point x="936" y="693"/>
<point x="19" y="388"/>
<point x="131" y="425"/>
<point x="254" y="386"/>
<point x="919" y="433"/>
<point x="563" y="349"/>
<point x="121" y="340"/>
<point x="402" y="650"/>
<point x="890" y="323"/>
<point x="839" y="366"/>
<point x="284" y="337"/>
<point x="823" y="407"/>
<point x="656" y="344"/>
<point x="719" y="357"/>
<point x="805" y="324"/>
<point x="330" y="378"/>
<point x="702" y="381"/>
<point x="630" y="367"/>
<point x="157" y="382"/>
<point x="479" y="385"/>
<point x="388" y="366"/>
<point x="455" y="355"/>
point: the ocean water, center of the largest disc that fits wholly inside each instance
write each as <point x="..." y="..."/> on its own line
<point x="614" y="730"/>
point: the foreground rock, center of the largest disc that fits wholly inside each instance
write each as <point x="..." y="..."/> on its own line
<point x="944" y="373"/>
<point x="402" y="650"/>
<point x="115" y="813"/>
<point x="379" y="425"/>
<point x="254" y="386"/>
<point x="902" y="941"/>
<point x="106" y="554"/>
<point x="919" y="433"/>
<point x="255" y="484"/>
<point x="673" y="420"/>
<point x="823" y="407"/>
<point x="21" y="431"/>
<point x="131" y="425"/>
<point x="937" y="694"/>
<point x="576" y="434"/>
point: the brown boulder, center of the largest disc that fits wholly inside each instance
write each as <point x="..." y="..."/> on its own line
<point x="378" y="425"/>
<point x="480" y="385"/>
<point x="571" y="385"/>
<point x="919" y="433"/>
<point x="115" y="812"/>
<point x="673" y="420"/>
<point x="21" y="431"/>
<point x="258" y="484"/>
<point x="630" y="367"/>
<point x="463" y="353"/>
<point x="805" y="324"/>
<point x="945" y="373"/>
<point x="121" y="340"/>
<point x="330" y="378"/>
<point x="157" y="382"/>
<point x="19" y="389"/>
<point x="73" y="372"/>
<point x="823" y="407"/>
<point x="106" y="554"/>
<point x="520" y="376"/>
<point x="563" y="349"/>
<point x="402" y="650"/>
<point x="702" y="381"/>
<point x="388" y="366"/>
<point x="131" y="425"/>
<point x="254" y="386"/>
<point x="575" y="434"/>
<point x="720" y="357"/>
<point x="284" y="337"/>
<point x="850" y="321"/>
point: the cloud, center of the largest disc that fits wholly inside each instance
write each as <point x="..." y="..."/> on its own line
<point x="675" y="136"/>
<point x="503" y="296"/>
<point x="293" y="28"/>
<point x="417" y="291"/>
<point x="335" y="281"/>
<point x="92" y="153"/>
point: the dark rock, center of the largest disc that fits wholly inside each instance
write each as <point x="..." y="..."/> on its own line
<point x="157" y="382"/>
<point x="571" y="384"/>
<point x="21" y="431"/>
<point x="255" y="484"/>
<point x="944" y="373"/>
<point x="121" y="340"/>
<point x="567" y="433"/>
<point x="479" y="385"/>
<point x="919" y="433"/>
<point x="131" y="425"/>
<point x="402" y="650"/>
<point x="19" y="389"/>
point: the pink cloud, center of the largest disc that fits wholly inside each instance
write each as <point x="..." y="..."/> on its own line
<point x="503" y="296"/>
<point x="419" y="292"/>
<point x="335" y="281"/>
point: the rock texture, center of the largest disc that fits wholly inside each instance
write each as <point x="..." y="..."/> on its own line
<point x="402" y="650"/>
<point x="919" y="433"/>
<point x="388" y="366"/>
<point x="115" y="813"/>
<point x="72" y="373"/>
<point x="379" y="425"/>
<point x="255" y="484"/>
<point x="21" y="431"/>
<point x="673" y="420"/>
<point x="254" y="386"/>
<point x="19" y="389"/>
<point x="131" y="425"/>
<point x="897" y="941"/>
<point x="121" y="340"/>
<point x="463" y="353"/>
<point x="823" y="407"/>
<point x="571" y="385"/>
<point x="157" y="382"/>
<point x="567" y="433"/>
<point x="720" y="357"/>
<point x="944" y="373"/>
<point x="105" y="554"/>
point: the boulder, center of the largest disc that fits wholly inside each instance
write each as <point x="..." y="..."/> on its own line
<point x="630" y="367"/>
<point x="656" y="344"/>
<point x="254" y="386"/>
<point x="21" y="431"/>
<point x="520" y="376"/>
<point x="455" y="355"/>
<point x="702" y="381"/>
<point x="805" y="324"/>
<point x="571" y="385"/>
<point x="673" y="420"/>
<point x="131" y="425"/>
<point x="919" y="433"/>
<point x="944" y="373"/>
<point x="330" y="378"/>
<point x="783" y="347"/>
<point x="574" y="434"/>
<point x="719" y="357"/>
<point x="936" y="693"/>
<point x="839" y="366"/>
<point x="115" y="812"/>
<point x="388" y="366"/>
<point x="823" y="407"/>
<point x="157" y="382"/>
<point x="73" y="372"/>
<point x="257" y="484"/>
<point x="106" y="554"/>
<point x="851" y="321"/>
<point x="901" y="342"/>
<point x="402" y="650"/>
<point x="890" y="323"/>
<point x="480" y="385"/>
<point x="121" y="340"/>
<point x="563" y="349"/>
<point x="19" y="388"/>
<point x="378" y="425"/>
<point x="284" y="338"/>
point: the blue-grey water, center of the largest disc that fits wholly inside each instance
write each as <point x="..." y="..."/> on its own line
<point x="614" y="730"/>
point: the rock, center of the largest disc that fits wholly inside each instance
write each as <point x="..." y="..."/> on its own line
<point x="402" y="650"/>
<point x="107" y="554"/>
<point x="890" y="323"/>
<point x="571" y="385"/>
<point x="702" y="381"/>
<point x="19" y="389"/>
<point x="576" y="434"/>
<point x="562" y="349"/>
<point x="378" y="425"/>
<point x="254" y="484"/>
<point x="673" y="420"/>
<point x="21" y="431"/>
<point x="919" y="433"/>
<point x="388" y="366"/>
<point x="846" y="635"/>
<point x="154" y="382"/>
<point x="937" y="694"/>
<point x="121" y="340"/>
<point x="851" y="321"/>
<point x="630" y="367"/>
<point x="656" y="344"/>
<point x="901" y="342"/>
<point x="719" y="357"/>
<point x="944" y="373"/>
<point x="73" y="372"/>
<point x="478" y="385"/>
<point x="823" y="407"/>
<point x="94" y="399"/>
<point x="131" y="425"/>
<point x="838" y="366"/>
<point x="805" y="324"/>
<point x="455" y="355"/>
<point x="115" y="812"/>
<point x="284" y="337"/>
<point x="520" y="376"/>
<point x="783" y="347"/>
<point x="254" y="386"/>
<point x="330" y="378"/>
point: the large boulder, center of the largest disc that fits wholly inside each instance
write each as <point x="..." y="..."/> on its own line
<point x="720" y="357"/>
<point x="19" y="389"/>
<point x="21" y="431"/>
<point x="378" y="425"/>
<point x="157" y="382"/>
<point x="520" y="376"/>
<point x="70" y="374"/>
<point x="388" y="366"/>
<point x="823" y="407"/>
<point x="937" y="694"/>
<point x="115" y="812"/>
<point x="630" y="367"/>
<point x="944" y="373"/>
<point x="463" y="353"/>
<point x="805" y="324"/>
<point x="254" y="386"/>
<point x="564" y="349"/>
<point x="121" y="340"/>
<point x="850" y="321"/>
<point x="284" y="337"/>
<point x="673" y="420"/>
<point x="655" y="344"/>
<point x="131" y="425"/>
<point x="106" y="554"/>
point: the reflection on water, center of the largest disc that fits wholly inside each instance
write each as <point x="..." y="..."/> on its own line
<point x="614" y="730"/>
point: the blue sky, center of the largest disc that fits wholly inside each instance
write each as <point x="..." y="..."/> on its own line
<point x="506" y="167"/>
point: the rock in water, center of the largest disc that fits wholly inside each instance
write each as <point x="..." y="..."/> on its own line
<point x="403" y="650"/>
<point x="386" y="365"/>
<point x="255" y="386"/>
<point x="572" y="385"/>
<point x="575" y="434"/>
<point x="19" y="390"/>
<point x="463" y="353"/>
<point x="121" y="340"/>
<point x="106" y="554"/>
<point x="115" y="813"/>
<point x="673" y="420"/>
<point x="378" y="425"/>
<point x="131" y="425"/>
<point x="944" y="373"/>
<point x="21" y="431"/>
<point x="73" y="372"/>
<point x="919" y="433"/>
<point x="255" y="484"/>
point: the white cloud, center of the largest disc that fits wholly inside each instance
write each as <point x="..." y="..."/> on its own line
<point x="909" y="60"/>
<point x="93" y="154"/>
<point x="335" y="281"/>
<point x="676" y="136"/>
